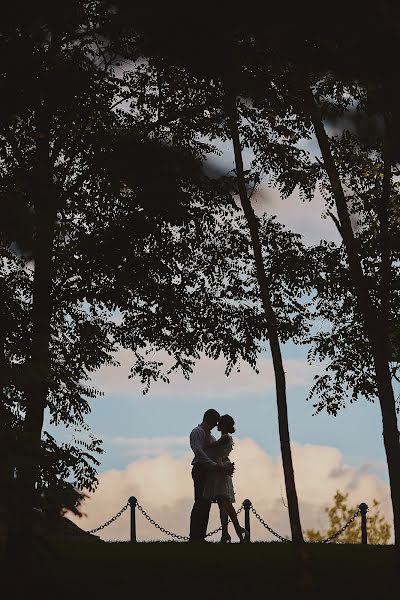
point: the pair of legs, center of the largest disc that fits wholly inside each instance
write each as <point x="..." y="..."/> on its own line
<point x="201" y="507"/>
<point x="226" y="509"/>
<point x="201" y="510"/>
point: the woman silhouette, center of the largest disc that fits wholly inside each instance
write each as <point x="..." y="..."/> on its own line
<point x="218" y="485"/>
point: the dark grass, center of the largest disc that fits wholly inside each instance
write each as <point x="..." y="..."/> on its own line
<point x="208" y="571"/>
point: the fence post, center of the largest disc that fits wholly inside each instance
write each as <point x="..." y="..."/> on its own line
<point x="246" y="506"/>
<point x="363" y="510"/>
<point x="132" y="503"/>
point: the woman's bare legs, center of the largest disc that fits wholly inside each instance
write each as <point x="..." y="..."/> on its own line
<point x="227" y="506"/>
<point x="224" y="523"/>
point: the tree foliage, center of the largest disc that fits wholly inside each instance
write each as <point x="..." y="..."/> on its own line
<point x="341" y="343"/>
<point x="139" y="227"/>
<point x="378" y="529"/>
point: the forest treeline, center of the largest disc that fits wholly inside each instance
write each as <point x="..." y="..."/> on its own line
<point x="111" y="203"/>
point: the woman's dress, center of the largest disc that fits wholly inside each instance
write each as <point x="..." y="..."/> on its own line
<point x="219" y="484"/>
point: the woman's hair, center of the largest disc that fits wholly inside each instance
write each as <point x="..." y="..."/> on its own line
<point x="228" y="422"/>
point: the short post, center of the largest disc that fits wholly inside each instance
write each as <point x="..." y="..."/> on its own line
<point x="363" y="510"/>
<point x="132" y="503"/>
<point x="246" y="506"/>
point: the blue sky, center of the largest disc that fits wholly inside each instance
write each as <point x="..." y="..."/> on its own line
<point x="355" y="431"/>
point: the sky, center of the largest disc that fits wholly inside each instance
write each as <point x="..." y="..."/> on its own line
<point x="146" y="437"/>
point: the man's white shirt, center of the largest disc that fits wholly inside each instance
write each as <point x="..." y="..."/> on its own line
<point x="198" y="439"/>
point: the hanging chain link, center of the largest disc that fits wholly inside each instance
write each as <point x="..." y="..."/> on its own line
<point x="346" y="526"/>
<point x="107" y="523"/>
<point x="324" y="541"/>
<point x="170" y="533"/>
<point x="280" y="537"/>
<point x="157" y="526"/>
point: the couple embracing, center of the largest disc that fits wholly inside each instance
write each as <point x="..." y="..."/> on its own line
<point x="212" y="476"/>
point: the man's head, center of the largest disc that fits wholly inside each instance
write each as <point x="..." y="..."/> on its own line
<point x="210" y="418"/>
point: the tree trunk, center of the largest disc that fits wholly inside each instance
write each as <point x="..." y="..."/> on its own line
<point x="383" y="210"/>
<point x="375" y="329"/>
<point x="6" y="433"/>
<point x="19" y="543"/>
<point x="280" y="379"/>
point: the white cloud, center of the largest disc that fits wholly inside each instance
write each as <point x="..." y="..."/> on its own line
<point x="208" y="378"/>
<point x="163" y="487"/>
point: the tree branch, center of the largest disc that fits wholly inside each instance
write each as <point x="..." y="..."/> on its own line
<point x="336" y="221"/>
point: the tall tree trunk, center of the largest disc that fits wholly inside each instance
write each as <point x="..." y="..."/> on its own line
<point x="20" y="536"/>
<point x="280" y="379"/>
<point x="383" y="210"/>
<point x="375" y="329"/>
<point x="6" y="433"/>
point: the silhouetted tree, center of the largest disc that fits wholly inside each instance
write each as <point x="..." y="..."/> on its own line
<point x="373" y="301"/>
<point x="62" y="470"/>
<point x="48" y="137"/>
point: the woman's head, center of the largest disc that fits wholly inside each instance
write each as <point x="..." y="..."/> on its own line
<point x="226" y="424"/>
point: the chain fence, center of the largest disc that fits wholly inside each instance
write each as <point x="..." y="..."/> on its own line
<point x="253" y="510"/>
<point x="264" y="524"/>
<point x="107" y="523"/>
<point x="153" y="522"/>
<point x="157" y="526"/>
<point x="324" y="541"/>
<point x="175" y="535"/>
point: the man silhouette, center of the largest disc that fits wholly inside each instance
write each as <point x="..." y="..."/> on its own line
<point x="199" y="437"/>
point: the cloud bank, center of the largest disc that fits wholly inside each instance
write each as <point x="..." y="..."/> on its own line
<point x="163" y="486"/>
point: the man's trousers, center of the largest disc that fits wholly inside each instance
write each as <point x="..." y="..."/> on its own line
<point x="201" y="506"/>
